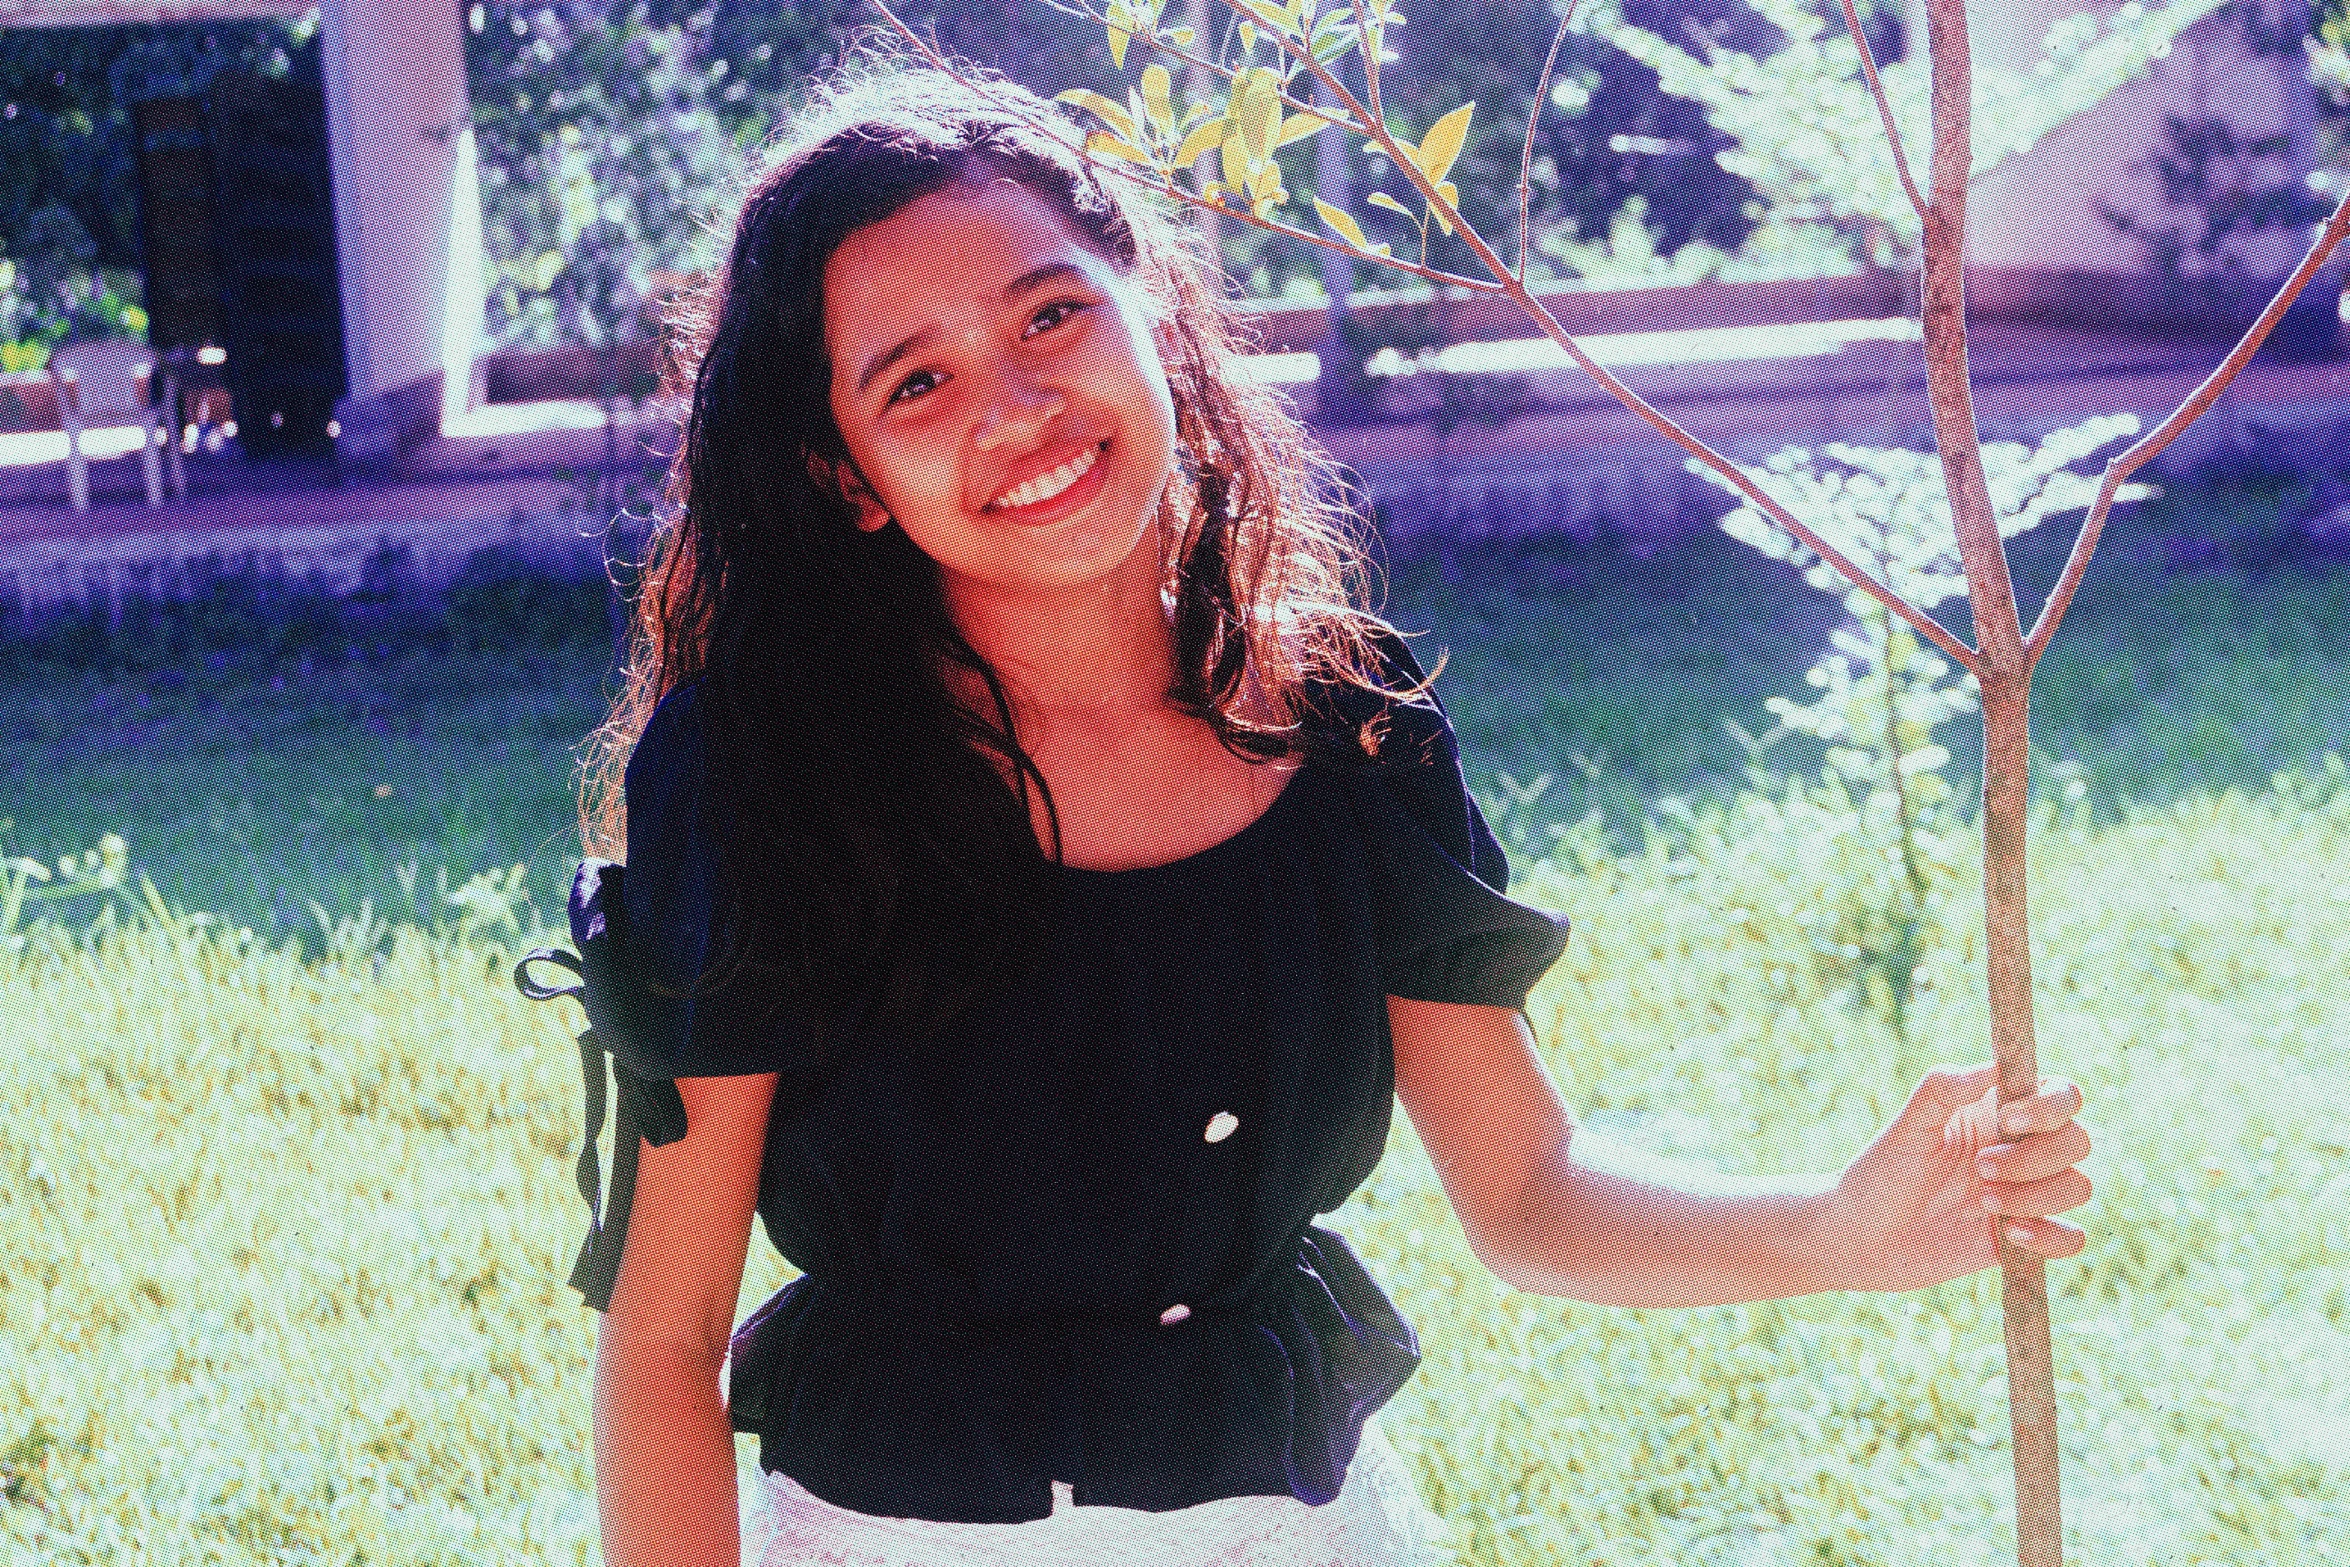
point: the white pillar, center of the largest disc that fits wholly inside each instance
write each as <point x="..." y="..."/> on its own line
<point x="407" y="213"/>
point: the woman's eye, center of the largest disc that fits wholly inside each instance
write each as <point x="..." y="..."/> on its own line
<point x="913" y="386"/>
<point x="1055" y="314"/>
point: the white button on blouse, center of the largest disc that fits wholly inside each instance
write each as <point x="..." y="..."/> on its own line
<point x="1174" y="1314"/>
<point x="1222" y="1125"/>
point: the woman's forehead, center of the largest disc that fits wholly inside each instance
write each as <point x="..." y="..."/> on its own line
<point x="967" y="244"/>
<point x="952" y="233"/>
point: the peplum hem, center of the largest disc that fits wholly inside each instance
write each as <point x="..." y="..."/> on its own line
<point x="857" y="1392"/>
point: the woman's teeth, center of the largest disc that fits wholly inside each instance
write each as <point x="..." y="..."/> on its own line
<point x="1047" y="485"/>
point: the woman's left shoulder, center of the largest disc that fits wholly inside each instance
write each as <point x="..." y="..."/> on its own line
<point x="1370" y="695"/>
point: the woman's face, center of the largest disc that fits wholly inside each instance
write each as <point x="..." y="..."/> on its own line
<point x="1000" y="393"/>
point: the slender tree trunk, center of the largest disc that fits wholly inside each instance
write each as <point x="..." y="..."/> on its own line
<point x="2005" y="673"/>
<point x="2031" y="1369"/>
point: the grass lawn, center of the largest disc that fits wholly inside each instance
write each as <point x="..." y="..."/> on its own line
<point x="283" y="1222"/>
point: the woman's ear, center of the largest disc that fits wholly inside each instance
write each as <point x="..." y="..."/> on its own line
<point x="843" y="480"/>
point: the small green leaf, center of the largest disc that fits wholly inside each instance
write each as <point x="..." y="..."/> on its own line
<point x="1118" y="40"/>
<point x="1298" y="127"/>
<point x="1452" y="198"/>
<point x="1181" y="37"/>
<point x="1380" y="198"/>
<point x="1248" y="37"/>
<point x="1443" y="144"/>
<point x="1256" y="104"/>
<point x="1332" y="42"/>
<point x="1158" y="96"/>
<point x="1266" y="14"/>
<point x="1204" y="139"/>
<point x="1103" y="109"/>
<point x="1348" y="229"/>
<point x="1101" y="144"/>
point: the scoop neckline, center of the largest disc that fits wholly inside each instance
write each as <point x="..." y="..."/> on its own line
<point x="1196" y="857"/>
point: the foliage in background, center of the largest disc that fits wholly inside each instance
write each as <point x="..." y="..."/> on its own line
<point x="68" y="192"/>
<point x="1882" y="695"/>
<point x="1625" y="175"/>
<point x="2221" y="187"/>
<point x="1806" y="133"/>
<point x="283" y="1228"/>
<point x="609" y="130"/>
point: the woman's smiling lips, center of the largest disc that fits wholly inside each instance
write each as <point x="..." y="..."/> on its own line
<point x="1034" y="495"/>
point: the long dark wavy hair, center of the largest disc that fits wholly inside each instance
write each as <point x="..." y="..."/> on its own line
<point x="891" y="823"/>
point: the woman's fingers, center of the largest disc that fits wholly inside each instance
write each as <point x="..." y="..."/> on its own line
<point x="2055" y="1103"/>
<point x="2059" y="1193"/>
<point x="2037" y="1157"/>
<point x="1976" y="1119"/>
<point x="2044" y="1237"/>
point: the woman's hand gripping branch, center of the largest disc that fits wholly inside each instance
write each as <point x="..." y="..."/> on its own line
<point x="1556" y="1210"/>
<point x="1926" y="1200"/>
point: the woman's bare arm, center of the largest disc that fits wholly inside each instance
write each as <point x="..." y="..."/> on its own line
<point x="664" y="1448"/>
<point x="1552" y="1210"/>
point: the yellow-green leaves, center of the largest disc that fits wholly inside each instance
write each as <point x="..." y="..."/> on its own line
<point x="1433" y="155"/>
<point x="1264" y="106"/>
<point x="1101" y="144"/>
<point x="1205" y="138"/>
<point x="1348" y="229"/>
<point x="1158" y="98"/>
<point x="1106" y="110"/>
<point x="1128" y="19"/>
<point x="1443" y="144"/>
<point x="1256" y="110"/>
<point x="1146" y="130"/>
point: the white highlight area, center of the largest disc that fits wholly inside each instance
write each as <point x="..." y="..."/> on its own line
<point x="32" y="448"/>
<point x="1512" y="356"/>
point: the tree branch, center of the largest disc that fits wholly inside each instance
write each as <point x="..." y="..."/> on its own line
<point x="1868" y="66"/>
<point x="1500" y="280"/>
<point x="1171" y="188"/>
<point x="1924" y="624"/>
<point x="1942" y="321"/>
<point x="1534" y="118"/>
<point x="2197" y="404"/>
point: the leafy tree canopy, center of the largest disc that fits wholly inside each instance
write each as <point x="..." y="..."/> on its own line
<point x="68" y="206"/>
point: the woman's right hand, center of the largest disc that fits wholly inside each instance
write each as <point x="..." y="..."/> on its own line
<point x="664" y="1447"/>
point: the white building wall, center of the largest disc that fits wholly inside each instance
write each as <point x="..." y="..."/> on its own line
<point x="2040" y="210"/>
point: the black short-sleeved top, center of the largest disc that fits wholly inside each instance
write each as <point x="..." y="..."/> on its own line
<point x="1073" y="1241"/>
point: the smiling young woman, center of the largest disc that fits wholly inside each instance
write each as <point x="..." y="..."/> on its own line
<point x="999" y="390"/>
<point x="1042" y="882"/>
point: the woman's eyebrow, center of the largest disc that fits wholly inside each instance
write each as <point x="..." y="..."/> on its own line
<point x="1026" y="282"/>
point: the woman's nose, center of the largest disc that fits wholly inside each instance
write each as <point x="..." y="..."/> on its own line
<point x="1020" y="408"/>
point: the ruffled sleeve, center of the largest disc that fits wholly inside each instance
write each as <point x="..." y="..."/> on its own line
<point x="675" y="910"/>
<point x="647" y="934"/>
<point x="1447" y="931"/>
